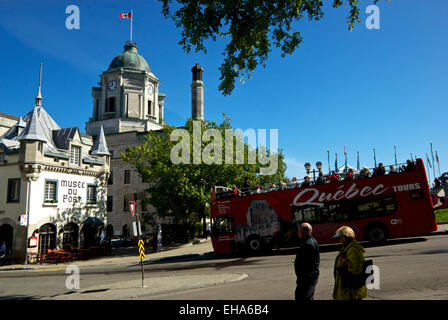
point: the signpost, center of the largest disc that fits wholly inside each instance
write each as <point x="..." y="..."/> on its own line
<point x="141" y="247"/>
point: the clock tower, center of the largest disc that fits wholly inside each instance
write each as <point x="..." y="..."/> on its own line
<point x="128" y="97"/>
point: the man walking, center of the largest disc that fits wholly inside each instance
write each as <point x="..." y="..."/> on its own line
<point x="306" y="265"/>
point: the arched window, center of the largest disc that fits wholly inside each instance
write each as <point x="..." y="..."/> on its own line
<point x="47" y="237"/>
<point x="70" y="236"/>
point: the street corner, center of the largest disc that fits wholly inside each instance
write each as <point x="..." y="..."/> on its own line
<point x="152" y="286"/>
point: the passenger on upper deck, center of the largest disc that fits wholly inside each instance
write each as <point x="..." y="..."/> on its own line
<point x="294" y="182"/>
<point x="349" y="175"/>
<point x="380" y="171"/>
<point x="437" y="183"/>
<point x="320" y="179"/>
<point x="392" y="170"/>
<point x="334" y="177"/>
<point x="364" y="172"/>
<point x="246" y="186"/>
<point x="306" y="182"/>
<point x="410" y="165"/>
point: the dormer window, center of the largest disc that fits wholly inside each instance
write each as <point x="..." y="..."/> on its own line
<point x="75" y="156"/>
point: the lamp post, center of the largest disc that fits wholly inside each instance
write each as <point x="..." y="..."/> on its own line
<point x="308" y="169"/>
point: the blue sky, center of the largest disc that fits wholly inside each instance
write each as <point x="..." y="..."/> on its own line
<point x="364" y="89"/>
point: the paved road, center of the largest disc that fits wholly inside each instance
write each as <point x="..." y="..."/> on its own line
<point x="413" y="268"/>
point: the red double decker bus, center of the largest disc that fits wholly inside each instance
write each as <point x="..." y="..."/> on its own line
<point x="377" y="208"/>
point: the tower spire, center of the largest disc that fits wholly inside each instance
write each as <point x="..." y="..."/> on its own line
<point x="39" y="95"/>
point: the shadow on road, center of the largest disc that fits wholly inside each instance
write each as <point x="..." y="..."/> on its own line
<point x="216" y="260"/>
<point x="18" y="297"/>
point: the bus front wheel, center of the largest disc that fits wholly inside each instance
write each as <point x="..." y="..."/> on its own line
<point x="376" y="233"/>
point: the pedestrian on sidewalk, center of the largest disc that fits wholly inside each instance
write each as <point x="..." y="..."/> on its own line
<point x="306" y="264"/>
<point x="207" y="231"/>
<point x="348" y="264"/>
<point x="3" y="252"/>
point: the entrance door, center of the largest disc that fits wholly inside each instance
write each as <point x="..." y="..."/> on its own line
<point x="6" y="234"/>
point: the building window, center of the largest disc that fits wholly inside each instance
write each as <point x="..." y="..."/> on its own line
<point x="110" y="104"/>
<point x="149" y="107"/>
<point x="125" y="204"/>
<point x="50" y="191"/>
<point x="127" y="176"/>
<point x="111" y="178"/>
<point x="13" y="190"/>
<point x="91" y="194"/>
<point x="75" y="153"/>
<point x="97" y="109"/>
<point x="110" y="202"/>
<point x="47" y="237"/>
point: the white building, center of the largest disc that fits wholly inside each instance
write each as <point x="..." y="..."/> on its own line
<point x="53" y="185"/>
<point x="128" y="104"/>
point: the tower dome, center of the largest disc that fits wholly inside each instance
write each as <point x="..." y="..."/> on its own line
<point x="130" y="59"/>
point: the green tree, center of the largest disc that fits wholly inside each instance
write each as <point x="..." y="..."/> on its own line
<point x="251" y="26"/>
<point x="183" y="190"/>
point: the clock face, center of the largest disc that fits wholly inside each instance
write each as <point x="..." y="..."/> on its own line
<point x="150" y="88"/>
<point x="111" y="85"/>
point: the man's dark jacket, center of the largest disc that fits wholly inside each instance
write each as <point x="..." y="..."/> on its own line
<point x="307" y="260"/>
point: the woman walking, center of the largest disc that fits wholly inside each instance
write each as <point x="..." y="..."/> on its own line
<point x="348" y="265"/>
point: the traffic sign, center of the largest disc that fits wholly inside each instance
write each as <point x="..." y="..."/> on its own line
<point x="141" y="249"/>
<point x="132" y="207"/>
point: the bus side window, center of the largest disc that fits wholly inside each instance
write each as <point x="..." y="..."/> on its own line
<point x="222" y="225"/>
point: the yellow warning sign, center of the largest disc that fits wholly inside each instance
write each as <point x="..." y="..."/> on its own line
<point x="141" y="249"/>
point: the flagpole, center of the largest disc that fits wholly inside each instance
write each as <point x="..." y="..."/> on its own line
<point x="438" y="163"/>
<point x="132" y="16"/>
<point x="336" y="163"/>
<point x="433" y="165"/>
<point x="345" y="154"/>
<point x="374" y="156"/>
<point x="395" y="151"/>
<point x="429" y="172"/>
<point x="357" y="163"/>
<point x="329" y="167"/>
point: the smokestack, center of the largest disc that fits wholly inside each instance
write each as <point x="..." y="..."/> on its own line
<point x="197" y="93"/>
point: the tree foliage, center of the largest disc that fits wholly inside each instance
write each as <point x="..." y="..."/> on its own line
<point x="183" y="190"/>
<point x="252" y="27"/>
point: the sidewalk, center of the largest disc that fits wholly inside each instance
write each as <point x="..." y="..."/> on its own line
<point x="127" y="257"/>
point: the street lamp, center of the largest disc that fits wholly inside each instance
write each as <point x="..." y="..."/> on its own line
<point x="319" y="165"/>
<point x="307" y="167"/>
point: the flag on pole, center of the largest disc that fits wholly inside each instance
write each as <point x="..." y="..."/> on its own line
<point x="374" y="156"/>
<point x="336" y="163"/>
<point x="429" y="162"/>
<point x="429" y="166"/>
<point x="345" y="154"/>
<point x="126" y="15"/>
<point x="329" y="167"/>
<point x="433" y="163"/>
<point x="357" y="162"/>
<point x="438" y="163"/>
